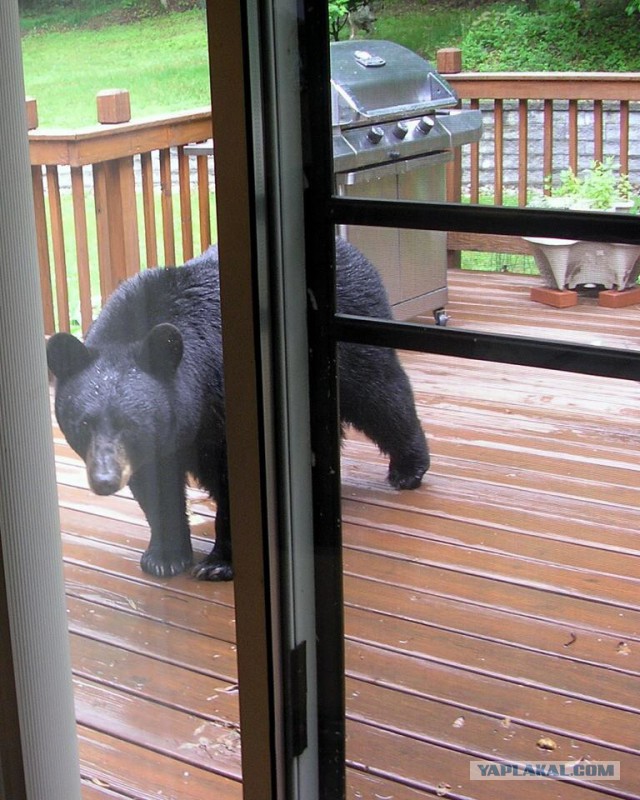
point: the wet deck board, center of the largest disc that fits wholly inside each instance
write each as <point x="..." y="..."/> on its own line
<point x="497" y="605"/>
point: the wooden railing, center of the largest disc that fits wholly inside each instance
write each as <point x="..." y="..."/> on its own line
<point x="575" y="102"/>
<point x="131" y="169"/>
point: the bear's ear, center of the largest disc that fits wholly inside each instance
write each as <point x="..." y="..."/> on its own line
<point x="67" y="355"/>
<point x="161" y="350"/>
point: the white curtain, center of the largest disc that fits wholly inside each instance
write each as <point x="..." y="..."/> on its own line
<point x="29" y="526"/>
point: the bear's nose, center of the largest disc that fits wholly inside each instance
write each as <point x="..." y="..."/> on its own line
<point x="107" y="465"/>
<point x="104" y="483"/>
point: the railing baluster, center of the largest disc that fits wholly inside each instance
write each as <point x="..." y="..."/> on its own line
<point x="127" y="211"/>
<point x="168" y="235"/>
<point x="57" y="240"/>
<point x="149" y="210"/>
<point x="185" y="205"/>
<point x="523" y="151"/>
<point x="624" y="137"/>
<point x="42" y="243"/>
<point x="109" y="149"/>
<point x="105" y="263"/>
<point x="82" y="247"/>
<point x="475" y="162"/>
<point x="498" y="115"/>
<point x="204" y="203"/>
<point x="573" y="136"/>
<point x="598" y="131"/>
<point x="547" y="158"/>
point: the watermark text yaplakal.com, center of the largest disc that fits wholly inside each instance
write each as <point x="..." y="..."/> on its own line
<point x="544" y="770"/>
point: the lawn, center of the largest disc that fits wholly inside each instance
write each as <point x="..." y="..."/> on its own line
<point x="162" y="61"/>
<point x="423" y="28"/>
<point x="70" y="54"/>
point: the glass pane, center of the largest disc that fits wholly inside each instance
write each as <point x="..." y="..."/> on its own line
<point x="139" y="403"/>
<point x="154" y="654"/>
<point x="489" y="611"/>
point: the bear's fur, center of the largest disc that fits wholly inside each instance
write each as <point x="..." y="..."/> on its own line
<point x="142" y="400"/>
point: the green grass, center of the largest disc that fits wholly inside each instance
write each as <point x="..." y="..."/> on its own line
<point x="423" y="28"/>
<point x="36" y="17"/>
<point x="162" y="61"/>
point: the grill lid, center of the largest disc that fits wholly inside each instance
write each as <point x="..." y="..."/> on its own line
<point x="373" y="81"/>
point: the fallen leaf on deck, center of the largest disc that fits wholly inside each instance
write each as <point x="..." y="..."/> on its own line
<point x="545" y="743"/>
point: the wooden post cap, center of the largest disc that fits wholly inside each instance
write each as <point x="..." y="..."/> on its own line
<point x="449" y="60"/>
<point x="114" y="106"/>
<point x="32" y="113"/>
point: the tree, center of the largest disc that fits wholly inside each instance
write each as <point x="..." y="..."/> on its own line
<point x="358" y="13"/>
<point x="338" y="10"/>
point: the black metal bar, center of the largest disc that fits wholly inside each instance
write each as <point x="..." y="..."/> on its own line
<point x="567" y="357"/>
<point x="590" y="226"/>
<point x="325" y="420"/>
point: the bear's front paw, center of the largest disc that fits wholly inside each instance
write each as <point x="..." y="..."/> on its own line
<point x="165" y="565"/>
<point x="213" y="568"/>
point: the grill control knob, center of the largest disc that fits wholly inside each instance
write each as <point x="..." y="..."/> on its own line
<point x="426" y="124"/>
<point x="401" y="129"/>
<point x="375" y="134"/>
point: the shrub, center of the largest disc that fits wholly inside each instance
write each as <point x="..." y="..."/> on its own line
<point x="601" y="187"/>
<point x="554" y="35"/>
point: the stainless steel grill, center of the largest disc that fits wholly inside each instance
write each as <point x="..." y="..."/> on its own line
<point x="395" y="127"/>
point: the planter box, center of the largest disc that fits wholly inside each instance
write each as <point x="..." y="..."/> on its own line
<point x="571" y="264"/>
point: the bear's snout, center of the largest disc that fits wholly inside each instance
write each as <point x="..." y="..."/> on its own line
<point x="108" y="467"/>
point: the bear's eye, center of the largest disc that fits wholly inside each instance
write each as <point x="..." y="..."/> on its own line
<point x="84" y="428"/>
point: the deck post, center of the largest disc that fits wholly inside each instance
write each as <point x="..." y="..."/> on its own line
<point x="449" y="60"/>
<point x="38" y="749"/>
<point x="115" y="200"/>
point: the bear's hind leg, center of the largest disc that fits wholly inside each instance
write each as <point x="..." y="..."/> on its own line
<point x="377" y="399"/>
<point x="217" y="565"/>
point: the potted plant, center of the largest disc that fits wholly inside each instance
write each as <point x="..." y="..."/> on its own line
<point x="568" y="264"/>
<point x="600" y="188"/>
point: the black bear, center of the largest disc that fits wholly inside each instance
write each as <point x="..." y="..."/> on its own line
<point x="142" y="400"/>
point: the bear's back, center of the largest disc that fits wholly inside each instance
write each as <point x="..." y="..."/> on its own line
<point x="359" y="287"/>
<point x="187" y="297"/>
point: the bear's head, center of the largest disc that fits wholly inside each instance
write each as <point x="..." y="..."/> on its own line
<point x="116" y="404"/>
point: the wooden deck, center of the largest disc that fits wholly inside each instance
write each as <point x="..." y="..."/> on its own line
<point x="491" y="612"/>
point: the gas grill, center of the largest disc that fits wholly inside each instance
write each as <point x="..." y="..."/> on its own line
<point x="395" y="127"/>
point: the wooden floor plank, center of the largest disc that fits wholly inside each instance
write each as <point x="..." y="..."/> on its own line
<point x="142" y="675"/>
<point x="137" y="772"/>
<point x="555" y="639"/>
<point x="578" y="725"/>
<point x="171" y="645"/>
<point x="564" y="678"/>
<point x="439" y="770"/>
<point x="170" y="732"/>
<point x="616" y="590"/>
<point x="574" y="612"/>
<point x="469" y="733"/>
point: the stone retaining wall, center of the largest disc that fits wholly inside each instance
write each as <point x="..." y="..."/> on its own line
<point x="611" y="133"/>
